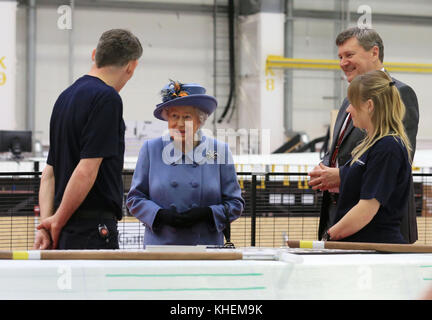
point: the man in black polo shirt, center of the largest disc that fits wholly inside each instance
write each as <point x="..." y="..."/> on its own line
<point x="81" y="187"/>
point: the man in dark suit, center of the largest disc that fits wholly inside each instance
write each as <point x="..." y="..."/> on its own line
<point x="360" y="51"/>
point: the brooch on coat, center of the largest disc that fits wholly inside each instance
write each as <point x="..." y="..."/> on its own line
<point x="211" y="155"/>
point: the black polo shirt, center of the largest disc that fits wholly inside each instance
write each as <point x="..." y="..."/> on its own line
<point x="87" y="122"/>
<point x="382" y="173"/>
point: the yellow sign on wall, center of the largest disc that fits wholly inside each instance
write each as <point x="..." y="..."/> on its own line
<point x="2" y="71"/>
<point x="8" y="16"/>
<point x="270" y="82"/>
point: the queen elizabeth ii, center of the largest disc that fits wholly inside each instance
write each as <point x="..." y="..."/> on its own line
<point x="185" y="188"/>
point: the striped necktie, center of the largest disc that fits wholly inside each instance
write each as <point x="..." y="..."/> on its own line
<point x="336" y="150"/>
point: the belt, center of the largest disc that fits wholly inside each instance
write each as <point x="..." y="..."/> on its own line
<point x="334" y="197"/>
<point x="94" y="214"/>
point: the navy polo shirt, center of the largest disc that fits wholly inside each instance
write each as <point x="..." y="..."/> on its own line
<point x="87" y="122"/>
<point x="382" y="172"/>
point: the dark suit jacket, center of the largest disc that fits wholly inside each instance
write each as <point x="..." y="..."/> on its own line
<point x="351" y="139"/>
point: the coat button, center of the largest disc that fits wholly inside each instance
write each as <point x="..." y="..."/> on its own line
<point x="194" y="184"/>
<point x="174" y="184"/>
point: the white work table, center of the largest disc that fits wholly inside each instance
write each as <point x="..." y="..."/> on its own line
<point x="292" y="276"/>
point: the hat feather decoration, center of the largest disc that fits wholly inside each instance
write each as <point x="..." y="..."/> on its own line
<point x="175" y="90"/>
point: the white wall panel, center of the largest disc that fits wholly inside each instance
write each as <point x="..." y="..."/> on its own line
<point x="7" y="64"/>
<point x="180" y="46"/>
<point x="261" y="93"/>
<point x="176" y="46"/>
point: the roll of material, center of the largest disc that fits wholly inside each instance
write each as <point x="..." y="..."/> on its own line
<point x="117" y="255"/>
<point x="380" y="247"/>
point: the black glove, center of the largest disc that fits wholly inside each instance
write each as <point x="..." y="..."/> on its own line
<point x="168" y="217"/>
<point x="198" y="214"/>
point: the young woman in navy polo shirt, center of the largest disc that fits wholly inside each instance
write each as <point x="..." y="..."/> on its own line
<point x="374" y="184"/>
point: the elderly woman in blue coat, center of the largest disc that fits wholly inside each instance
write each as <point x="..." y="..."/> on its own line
<point x="185" y="188"/>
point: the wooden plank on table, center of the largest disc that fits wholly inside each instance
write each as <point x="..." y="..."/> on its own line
<point x="381" y="247"/>
<point x="117" y="255"/>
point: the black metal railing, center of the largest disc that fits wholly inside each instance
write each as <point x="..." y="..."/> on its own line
<point x="279" y="205"/>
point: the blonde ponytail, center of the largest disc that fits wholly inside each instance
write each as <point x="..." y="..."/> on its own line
<point x="389" y="110"/>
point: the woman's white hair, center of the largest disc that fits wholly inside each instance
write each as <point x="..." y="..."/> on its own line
<point x="202" y="116"/>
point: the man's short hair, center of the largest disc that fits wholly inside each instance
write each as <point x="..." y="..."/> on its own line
<point x="117" y="47"/>
<point x="367" y="38"/>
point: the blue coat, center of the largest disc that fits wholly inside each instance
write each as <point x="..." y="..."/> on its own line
<point x="165" y="177"/>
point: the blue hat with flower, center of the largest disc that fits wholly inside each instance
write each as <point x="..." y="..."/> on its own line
<point x="176" y="94"/>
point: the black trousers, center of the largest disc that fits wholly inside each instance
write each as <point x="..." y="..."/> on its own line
<point x="82" y="231"/>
